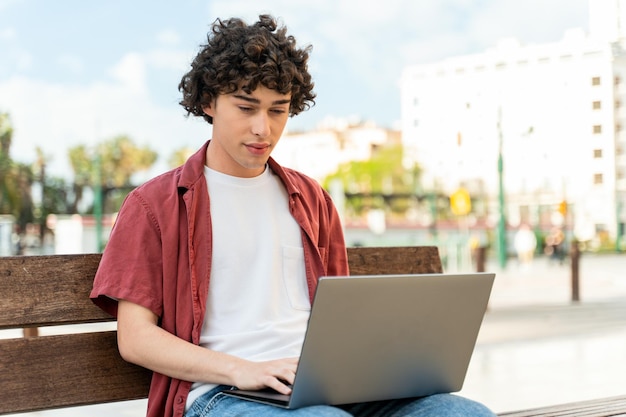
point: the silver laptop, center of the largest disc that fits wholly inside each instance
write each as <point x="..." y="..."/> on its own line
<point x="385" y="337"/>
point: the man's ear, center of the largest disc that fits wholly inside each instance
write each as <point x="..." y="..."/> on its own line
<point x="208" y="110"/>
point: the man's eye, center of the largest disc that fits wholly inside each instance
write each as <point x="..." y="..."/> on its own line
<point x="245" y="109"/>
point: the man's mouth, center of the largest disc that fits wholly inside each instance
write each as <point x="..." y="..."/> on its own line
<point x="257" y="148"/>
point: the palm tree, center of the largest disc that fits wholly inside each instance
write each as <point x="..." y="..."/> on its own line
<point x="15" y="179"/>
<point x="9" y="197"/>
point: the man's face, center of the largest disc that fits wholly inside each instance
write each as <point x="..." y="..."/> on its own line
<point x="246" y="128"/>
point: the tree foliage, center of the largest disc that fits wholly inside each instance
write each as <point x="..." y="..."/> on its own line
<point x="120" y="159"/>
<point x="179" y="157"/>
<point x="15" y="179"/>
<point x="8" y="193"/>
<point x="369" y="183"/>
<point x="111" y="165"/>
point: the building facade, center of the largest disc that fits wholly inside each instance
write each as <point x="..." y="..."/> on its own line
<point x="320" y="152"/>
<point x="555" y="113"/>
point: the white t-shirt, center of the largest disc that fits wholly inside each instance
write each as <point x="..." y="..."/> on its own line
<point x="258" y="304"/>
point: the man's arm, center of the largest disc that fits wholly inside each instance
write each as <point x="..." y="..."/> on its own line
<point x="143" y="342"/>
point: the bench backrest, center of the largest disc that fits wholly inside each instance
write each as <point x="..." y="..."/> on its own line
<point x="69" y="369"/>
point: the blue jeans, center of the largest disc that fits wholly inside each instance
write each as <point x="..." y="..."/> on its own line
<point x="215" y="404"/>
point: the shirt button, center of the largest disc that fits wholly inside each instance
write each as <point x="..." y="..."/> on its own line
<point x="179" y="400"/>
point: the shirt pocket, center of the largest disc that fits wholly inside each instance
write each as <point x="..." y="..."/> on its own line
<point x="294" y="277"/>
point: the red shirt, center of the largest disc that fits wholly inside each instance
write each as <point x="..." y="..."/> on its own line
<point x="159" y="255"/>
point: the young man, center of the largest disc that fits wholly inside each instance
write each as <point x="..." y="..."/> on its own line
<point x="211" y="267"/>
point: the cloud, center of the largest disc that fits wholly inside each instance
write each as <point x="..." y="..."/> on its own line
<point x="168" y="37"/>
<point x="359" y="51"/>
<point x="63" y="116"/>
<point x="72" y="63"/>
<point x="7" y="34"/>
<point x="530" y="21"/>
<point x="5" y="4"/>
<point x="13" y="56"/>
<point x="169" y="59"/>
<point x="362" y="47"/>
<point x="131" y="72"/>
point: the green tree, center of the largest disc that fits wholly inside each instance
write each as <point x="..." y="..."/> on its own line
<point x="56" y="193"/>
<point x="15" y="178"/>
<point x="58" y="197"/>
<point x="118" y="158"/>
<point x="380" y="182"/>
<point x="8" y="191"/>
<point x="179" y="157"/>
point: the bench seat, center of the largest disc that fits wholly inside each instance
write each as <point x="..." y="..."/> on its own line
<point x="85" y="368"/>
<point x="603" y="407"/>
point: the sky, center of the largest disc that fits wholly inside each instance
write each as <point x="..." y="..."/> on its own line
<point x="80" y="72"/>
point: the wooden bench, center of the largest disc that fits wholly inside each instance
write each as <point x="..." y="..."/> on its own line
<point x="71" y="369"/>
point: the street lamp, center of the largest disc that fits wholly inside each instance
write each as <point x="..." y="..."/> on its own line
<point x="501" y="235"/>
<point x="97" y="188"/>
<point x="620" y="224"/>
<point x="97" y="203"/>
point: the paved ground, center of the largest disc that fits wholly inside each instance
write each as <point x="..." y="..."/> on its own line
<point x="536" y="347"/>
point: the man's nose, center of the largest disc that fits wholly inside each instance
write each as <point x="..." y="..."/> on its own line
<point x="261" y="125"/>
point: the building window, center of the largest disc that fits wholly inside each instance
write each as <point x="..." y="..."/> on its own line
<point x="597" y="179"/>
<point x="596" y="105"/>
<point x="597" y="153"/>
<point x="595" y="81"/>
<point x="617" y="80"/>
<point x="618" y="127"/>
<point x="618" y="104"/>
<point x="597" y="129"/>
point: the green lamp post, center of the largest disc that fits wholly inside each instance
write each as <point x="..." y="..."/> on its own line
<point x="501" y="235"/>
<point x="97" y="204"/>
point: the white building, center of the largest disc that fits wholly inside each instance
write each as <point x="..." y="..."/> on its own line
<point x="7" y="242"/>
<point x="558" y="110"/>
<point x="319" y="153"/>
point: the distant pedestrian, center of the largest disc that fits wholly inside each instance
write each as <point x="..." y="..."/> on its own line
<point x="17" y="239"/>
<point x="555" y="242"/>
<point x="525" y="244"/>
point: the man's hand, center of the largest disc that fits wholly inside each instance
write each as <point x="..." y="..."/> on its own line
<point x="277" y="374"/>
<point x="143" y="342"/>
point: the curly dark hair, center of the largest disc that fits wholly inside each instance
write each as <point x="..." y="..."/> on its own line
<point x="240" y="56"/>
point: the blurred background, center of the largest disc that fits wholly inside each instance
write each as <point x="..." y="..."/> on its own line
<point x="456" y="123"/>
<point x="492" y="129"/>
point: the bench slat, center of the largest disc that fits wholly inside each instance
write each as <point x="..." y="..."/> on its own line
<point x="58" y="371"/>
<point x="86" y="368"/>
<point x="48" y="290"/>
<point x="53" y="290"/>
<point x="396" y="260"/>
<point x="603" y="407"/>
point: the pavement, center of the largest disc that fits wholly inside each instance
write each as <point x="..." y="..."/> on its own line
<point x="536" y="346"/>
